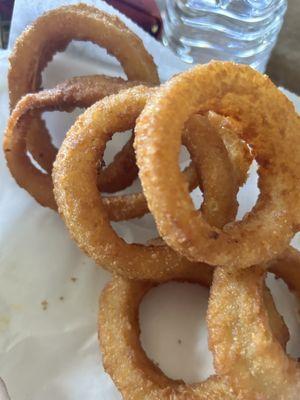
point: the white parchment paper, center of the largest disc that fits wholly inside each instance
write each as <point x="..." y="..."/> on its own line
<point x="49" y="289"/>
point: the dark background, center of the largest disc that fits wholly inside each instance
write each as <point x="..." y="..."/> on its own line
<point x="284" y="64"/>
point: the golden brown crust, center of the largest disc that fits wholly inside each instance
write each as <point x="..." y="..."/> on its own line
<point x="80" y="205"/>
<point x="37" y="45"/>
<point x="241" y="334"/>
<point x="75" y="92"/>
<point x="238" y="150"/>
<point x="214" y="166"/>
<point x="83" y="210"/>
<point x="239" y="92"/>
<point x="121" y="172"/>
<point x="136" y="376"/>
<point x="40" y="41"/>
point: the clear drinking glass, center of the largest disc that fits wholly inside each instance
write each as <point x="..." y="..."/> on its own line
<point x="244" y="31"/>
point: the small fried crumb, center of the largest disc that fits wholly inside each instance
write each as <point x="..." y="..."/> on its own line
<point x="44" y="304"/>
<point x="155" y="362"/>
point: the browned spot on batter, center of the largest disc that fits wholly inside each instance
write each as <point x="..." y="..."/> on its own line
<point x="213" y="235"/>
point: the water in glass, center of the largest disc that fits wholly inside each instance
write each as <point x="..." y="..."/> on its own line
<point x="244" y="31"/>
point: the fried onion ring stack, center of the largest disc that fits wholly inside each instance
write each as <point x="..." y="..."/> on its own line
<point x="38" y="44"/>
<point x="226" y="115"/>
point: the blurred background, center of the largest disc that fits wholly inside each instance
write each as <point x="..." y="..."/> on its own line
<point x="283" y="66"/>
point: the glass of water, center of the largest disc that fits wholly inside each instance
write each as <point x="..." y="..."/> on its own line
<point x="244" y="31"/>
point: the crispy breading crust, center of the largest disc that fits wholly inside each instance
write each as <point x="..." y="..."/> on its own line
<point x="242" y="337"/>
<point x="82" y="209"/>
<point x="51" y="33"/>
<point x="270" y="126"/>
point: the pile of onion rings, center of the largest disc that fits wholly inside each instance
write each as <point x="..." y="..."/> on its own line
<point x="38" y="44"/>
<point x="221" y="113"/>
<point x="81" y="205"/>
<point x="119" y="335"/>
<point x="76" y="92"/>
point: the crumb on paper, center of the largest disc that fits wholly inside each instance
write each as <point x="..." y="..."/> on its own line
<point x="4" y="322"/>
<point x="73" y="279"/>
<point x="61" y="298"/>
<point x="44" y="304"/>
<point x="179" y="341"/>
<point x="16" y="307"/>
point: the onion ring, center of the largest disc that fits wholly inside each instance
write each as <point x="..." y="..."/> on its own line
<point x="84" y="91"/>
<point x="136" y="376"/>
<point x="81" y="207"/>
<point x="220" y="205"/>
<point x="241" y="337"/>
<point x="121" y="172"/>
<point x="244" y="94"/>
<point x="75" y="92"/>
<point x="37" y="44"/>
<point x="81" y="92"/>
<point x="238" y="151"/>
